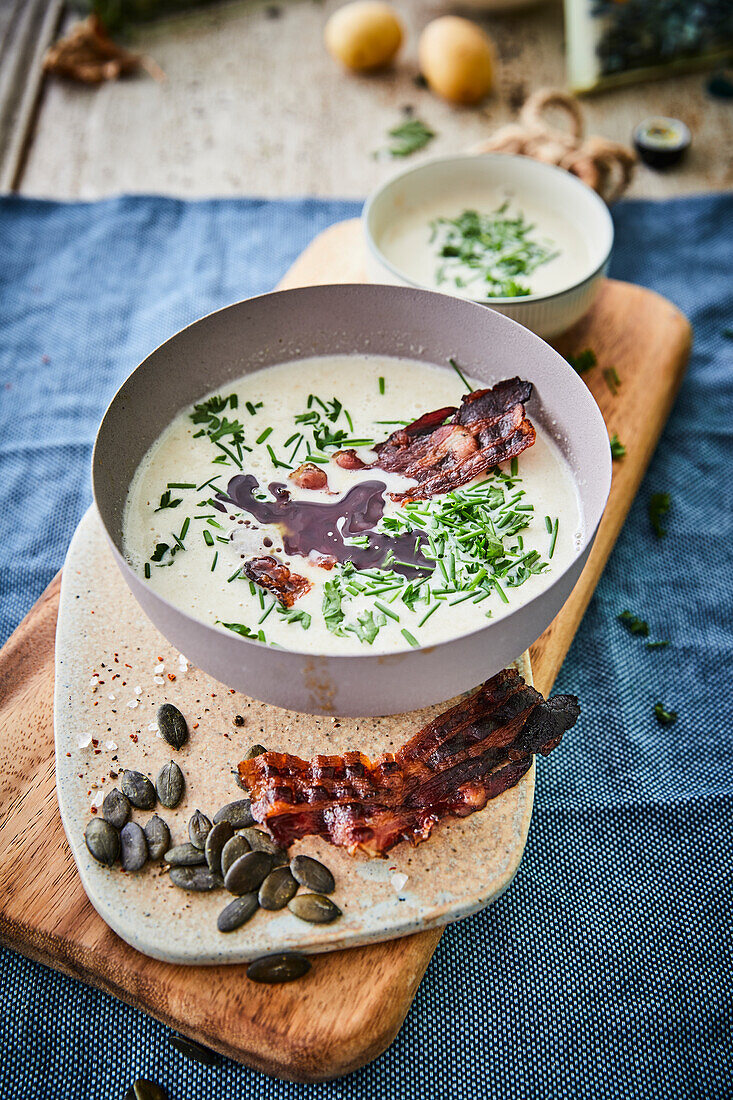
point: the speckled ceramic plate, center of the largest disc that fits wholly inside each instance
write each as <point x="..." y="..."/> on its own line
<point x="113" y="670"/>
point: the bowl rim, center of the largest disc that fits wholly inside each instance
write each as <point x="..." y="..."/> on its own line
<point x="493" y="317"/>
<point x="517" y="300"/>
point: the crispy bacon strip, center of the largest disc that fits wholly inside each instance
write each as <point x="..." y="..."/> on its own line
<point x="453" y="766"/>
<point x="271" y="574"/>
<point x="489" y="427"/>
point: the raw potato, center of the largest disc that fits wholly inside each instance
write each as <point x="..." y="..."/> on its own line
<point x="457" y="59"/>
<point x="364" y="35"/>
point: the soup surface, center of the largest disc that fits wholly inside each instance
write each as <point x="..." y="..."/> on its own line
<point x="214" y="493"/>
<point x="476" y="244"/>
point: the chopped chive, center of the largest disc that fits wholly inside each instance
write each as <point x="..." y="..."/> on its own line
<point x="413" y="641"/>
<point x="220" y="538"/>
<point x="263" y="435"/>
<point x="209" y="482"/>
<point x="548" y="525"/>
<point x="147" y="570"/>
<point x="263" y="617"/>
<point x="184" y="529"/>
<point x="387" y="610"/>
<point x="234" y="575"/>
<point x="216" y="558"/>
<point x="181" y="485"/>
<point x="427" y="614"/>
<point x="214" y="523"/>
<point x="460" y="374"/>
<point x="287" y="442"/>
<point x="515" y="467"/>
<point x="381" y="385"/>
<point x="500" y="590"/>
<point x="553" y="540"/>
<point x="208" y="537"/>
<point x="349" y="421"/>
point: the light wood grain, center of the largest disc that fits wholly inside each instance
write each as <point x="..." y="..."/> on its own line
<point x="352" y="1004"/>
<point x="254" y="105"/>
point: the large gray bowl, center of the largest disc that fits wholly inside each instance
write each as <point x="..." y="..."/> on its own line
<point x="326" y="320"/>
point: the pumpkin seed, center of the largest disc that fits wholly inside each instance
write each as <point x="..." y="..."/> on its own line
<point x="194" y="1050"/>
<point x="194" y="878"/>
<point x="102" y="840"/>
<point x="259" y="841"/>
<point x="238" y="814"/>
<point x="254" y="750"/>
<point x="172" y="725"/>
<point x="158" y="836"/>
<point x="286" y="967"/>
<point x="199" y="828"/>
<point x="116" y="808"/>
<point x="315" y="908"/>
<point x="237" y="913"/>
<point x="170" y="785"/>
<point x="184" y="855"/>
<point x="277" y="889"/>
<point x="215" y="841"/>
<point x="232" y="850"/>
<point x="133" y="847"/>
<point x="138" y="789"/>
<point x="312" y="874"/>
<point x="248" y="872"/>
<point x="145" y="1090"/>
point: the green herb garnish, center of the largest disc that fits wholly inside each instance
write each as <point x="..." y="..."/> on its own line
<point x="663" y="716"/>
<point x="657" y="645"/>
<point x="488" y="252"/>
<point x="633" y="623"/>
<point x="159" y="552"/>
<point x="460" y="374"/>
<point x="612" y="380"/>
<point x="583" y="361"/>
<point x="617" y="448"/>
<point x="659" y="505"/>
<point x="166" y="502"/>
<point x="408" y="137"/>
<point x="381" y="385"/>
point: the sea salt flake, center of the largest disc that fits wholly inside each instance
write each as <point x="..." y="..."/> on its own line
<point x="98" y="799"/>
<point x="111" y="745"/>
<point x="138" y="690"/>
<point x="158" y="680"/>
<point x="182" y="663"/>
<point x="111" y="696"/>
<point x="133" y="703"/>
<point x="399" y="881"/>
<point x="85" y="741"/>
<point x="153" y="726"/>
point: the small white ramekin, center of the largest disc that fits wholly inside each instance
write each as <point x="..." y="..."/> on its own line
<point x="560" y="192"/>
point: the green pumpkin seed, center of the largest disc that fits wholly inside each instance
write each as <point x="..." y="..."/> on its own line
<point x="237" y="913"/>
<point x="184" y="855"/>
<point x="145" y="1090"/>
<point x="158" y="836"/>
<point x="238" y="814"/>
<point x="232" y="850"/>
<point x="254" y="750"/>
<point x="215" y="841"/>
<point x="172" y="725"/>
<point x="248" y="872"/>
<point x="199" y="828"/>
<point x="314" y="908"/>
<point x="286" y="967"/>
<point x="170" y="785"/>
<point x="259" y="841"/>
<point x="102" y="840"/>
<point x="277" y="889"/>
<point x="194" y="878"/>
<point x="194" y="1050"/>
<point x="312" y="874"/>
<point x="116" y="808"/>
<point x="138" y="788"/>
<point x="133" y="847"/>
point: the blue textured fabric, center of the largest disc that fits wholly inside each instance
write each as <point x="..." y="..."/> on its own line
<point x="606" y="970"/>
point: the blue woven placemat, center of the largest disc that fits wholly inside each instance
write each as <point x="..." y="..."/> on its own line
<point x="606" y="971"/>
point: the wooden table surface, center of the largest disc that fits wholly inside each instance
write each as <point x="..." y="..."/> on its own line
<point x="252" y="104"/>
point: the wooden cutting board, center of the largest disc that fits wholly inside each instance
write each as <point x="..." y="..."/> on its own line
<point x="352" y="1004"/>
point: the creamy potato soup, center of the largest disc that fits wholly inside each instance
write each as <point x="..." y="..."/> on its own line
<point x="214" y="498"/>
<point x="483" y="245"/>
